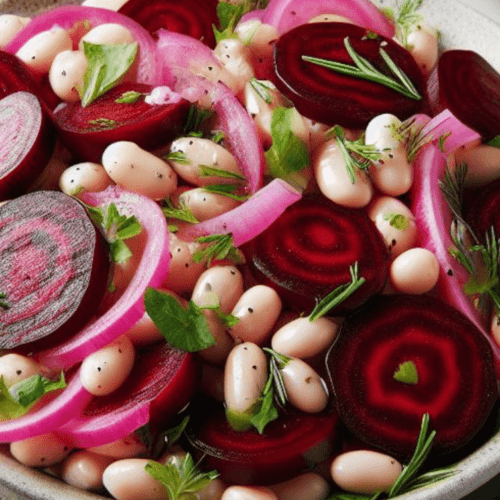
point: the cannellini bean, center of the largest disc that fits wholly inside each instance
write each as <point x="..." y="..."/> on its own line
<point x="219" y="283"/>
<point x="128" y="447"/>
<point x="245" y="376"/>
<point x="129" y="480"/>
<point x="66" y="74"/>
<point x="83" y="469"/>
<point x="257" y="311"/>
<point x="10" y="26"/>
<point x="248" y="493"/>
<point x="218" y="353"/>
<point x="15" y="368"/>
<point x="103" y="371"/>
<point x="483" y="164"/>
<point x="135" y="169"/>
<point x="107" y="34"/>
<point x="309" y="485"/>
<point x="396" y="223"/>
<point x="198" y="152"/>
<point x="83" y="178"/>
<point x="334" y="180"/>
<point x="206" y="205"/>
<point x="423" y="46"/>
<point x="212" y="491"/>
<point x="304" y="387"/>
<point x="212" y="382"/>
<point x="392" y="174"/>
<point x="381" y="128"/>
<point x="365" y="472"/>
<point x="303" y="339"/>
<point x="40" y="51"/>
<point x="39" y="451"/>
<point x="115" y="5"/>
<point x="329" y="18"/>
<point x="415" y="271"/>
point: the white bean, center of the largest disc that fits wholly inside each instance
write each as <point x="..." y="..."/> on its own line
<point x="128" y="447"/>
<point x="219" y="283"/>
<point x="10" y="26"/>
<point x="218" y="353"/>
<point x="198" y="152"/>
<point x="257" y="311"/>
<point x="329" y="18"/>
<point x="334" y="180"/>
<point x="303" y="339"/>
<point x="304" y="387"/>
<point x="212" y="491"/>
<point x="308" y="486"/>
<point x="423" y="46"/>
<point x="103" y="371"/>
<point x="206" y="205"/>
<point x="129" y="480"/>
<point x="39" y="451"/>
<point x="83" y="178"/>
<point x="83" y="469"/>
<point x="382" y="128"/>
<point x="415" y="271"/>
<point x="483" y="164"/>
<point x="392" y="174"/>
<point x="135" y="169"/>
<point x="40" y="50"/>
<point x="395" y="222"/>
<point x="66" y="74"/>
<point x="107" y="34"/>
<point x="115" y="5"/>
<point x="248" y="493"/>
<point x="365" y="472"/>
<point x="15" y="368"/>
<point x="245" y="375"/>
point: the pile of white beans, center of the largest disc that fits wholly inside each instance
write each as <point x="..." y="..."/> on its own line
<point x="235" y="368"/>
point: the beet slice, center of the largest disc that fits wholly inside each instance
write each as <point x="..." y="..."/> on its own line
<point x="189" y="17"/>
<point x="88" y="131"/>
<point x="308" y="251"/>
<point x="333" y="98"/>
<point x="53" y="268"/>
<point x="470" y="88"/>
<point x="455" y="381"/>
<point x="484" y="211"/>
<point x="27" y="144"/>
<point x="289" y="445"/>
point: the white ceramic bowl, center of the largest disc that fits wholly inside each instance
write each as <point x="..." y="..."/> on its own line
<point x="471" y="25"/>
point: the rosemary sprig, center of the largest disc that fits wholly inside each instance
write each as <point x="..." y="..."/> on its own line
<point x="407" y="20"/>
<point x="365" y="70"/>
<point x="228" y="190"/>
<point x="262" y="88"/>
<point x="412" y="137"/>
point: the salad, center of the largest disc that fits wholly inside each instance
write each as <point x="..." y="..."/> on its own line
<point x="243" y="253"/>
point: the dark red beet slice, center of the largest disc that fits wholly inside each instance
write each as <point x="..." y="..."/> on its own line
<point x="27" y="143"/>
<point x="189" y="17"/>
<point x="308" y="251"/>
<point x="484" y="211"/>
<point x="288" y="446"/>
<point x="53" y="268"/>
<point x="333" y="98"/>
<point x="88" y="131"/>
<point x="470" y="88"/>
<point x="456" y="382"/>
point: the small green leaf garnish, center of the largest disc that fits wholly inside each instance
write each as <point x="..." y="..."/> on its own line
<point x="267" y="411"/>
<point x="389" y="13"/>
<point x="183" y="213"/>
<point x="117" y="229"/>
<point x="183" y="480"/>
<point x="218" y="137"/>
<point x="156" y="443"/>
<point x="229" y="15"/>
<point x="227" y="319"/>
<point x="495" y="142"/>
<point x="337" y="296"/>
<point x="106" y="65"/>
<point x="177" y="157"/>
<point x="262" y="88"/>
<point x="407" y="373"/>
<point x="398" y="221"/>
<point x="213" y="171"/>
<point x="185" y="329"/>
<point x="3" y="302"/>
<point x="408" y="20"/>
<point x="442" y="140"/>
<point x="288" y="153"/>
<point x="220" y="247"/>
<point x="129" y="97"/>
<point x="227" y="190"/>
<point x="103" y="123"/>
<point x="173" y="228"/>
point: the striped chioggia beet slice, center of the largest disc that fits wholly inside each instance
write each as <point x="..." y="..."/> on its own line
<point x="289" y="445"/>
<point x="53" y="268"/>
<point x="308" y="250"/>
<point x="189" y="17"/>
<point x="329" y="97"/>
<point x="88" y="131"/>
<point x="449" y="374"/>
<point x="27" y="143"/>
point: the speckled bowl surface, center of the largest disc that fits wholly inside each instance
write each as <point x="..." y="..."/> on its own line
<point x="465" y="25"/>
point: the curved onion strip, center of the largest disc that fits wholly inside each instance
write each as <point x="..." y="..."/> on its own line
<point x="287" y="14"/>
<point x="129" y="308"/>
<point x="148" y="69"/>
<point x="51" y="416"/>
<point x="250" y="218"/>
<point x="252" y="15"/>
<point x="434" y="219"/>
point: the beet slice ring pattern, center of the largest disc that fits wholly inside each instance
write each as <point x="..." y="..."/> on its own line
<point x="333" y="98"/>
<point x="308" y="251"/>
<point x="53" y="268"/>
<point x="454" y="378"/>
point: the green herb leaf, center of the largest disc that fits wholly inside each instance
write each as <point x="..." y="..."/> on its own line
<point x="3" y="302"/>
<point x="185" y="329"/>
<point x="183" y="213"/>
<point x="213" y="171"/>
<point x="288" y="153"/>
<point x="129" y="97"/>
<point x="178" y="157"/>
<point x="227" y="319"/>
<point x="103" y="123"/>
<point x="262" y="88"/>
<point x="495" y="142"/>
<point x="220" y="247"/>
<point x="106" y="65"/>
<point x="196" y="119"/>
<point x="218" y="137"/>
<point x="267" y="412"/>
<point x="406" y="373"/>
<point x="442" y="140"/>
<point x="398" y="221"/>
<point x="337" y="296"/>
<point x="408" y="20"/>
<point x="227" y="190"/>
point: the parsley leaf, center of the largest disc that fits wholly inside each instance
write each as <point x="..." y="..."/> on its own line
<point x="220" y="247"/>
<point x="267" y="411"/>
<point x="406" y="373"/>
<point x="183" y="213"/>
<point x="185" y="329"/>
<point x="229" y="15"/>
<point x="129" y="97"/>
<point x="106" y="65"/>
<point x="398" y="221"/>
<point x="228" y="320"/>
